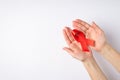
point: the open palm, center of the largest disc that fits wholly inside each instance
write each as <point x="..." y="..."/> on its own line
<point x="92" y="32"/>
<point x="74" y="47"/>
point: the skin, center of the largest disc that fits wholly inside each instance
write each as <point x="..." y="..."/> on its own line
<point x="92" y="32"/>
<point x="101" y="45"/>
<point x="74" y="49"/>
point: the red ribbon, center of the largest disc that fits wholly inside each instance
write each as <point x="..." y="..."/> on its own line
<point x="80" y="37"/>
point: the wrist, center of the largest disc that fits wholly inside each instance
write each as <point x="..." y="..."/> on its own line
<point x="105" y="49"/>
<point x="88" y="60"/>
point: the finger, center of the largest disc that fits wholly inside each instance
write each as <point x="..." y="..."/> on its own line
<point x="80" y="26"/>
<point x="69" y="34"/>
<point x="66" y="37"/>
<point x="83" y="23"/>
<point x="96" y="27"/>
<point x="76" y="26"/>
<point x="70" y="51"/>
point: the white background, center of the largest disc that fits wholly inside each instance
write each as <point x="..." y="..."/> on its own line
<point x="31" y="39"/>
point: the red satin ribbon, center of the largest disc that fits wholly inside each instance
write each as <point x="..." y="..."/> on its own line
<point x="80" y="37"/>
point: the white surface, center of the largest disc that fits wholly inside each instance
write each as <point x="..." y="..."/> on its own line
<point x="31" y="37"/>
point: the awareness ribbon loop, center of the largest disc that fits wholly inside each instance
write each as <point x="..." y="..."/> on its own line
<point x="81" y="38"/>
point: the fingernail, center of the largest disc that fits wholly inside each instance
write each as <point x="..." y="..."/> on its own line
<point x="93" y="22"/>
<point x="64" y="48"/>
<point x="74" y="22"/>
<point x="78" y="20"/>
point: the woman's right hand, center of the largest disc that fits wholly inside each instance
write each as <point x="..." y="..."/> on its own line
<point x="92" y="32"/>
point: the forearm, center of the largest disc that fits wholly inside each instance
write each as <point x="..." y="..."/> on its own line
<point x="94" y="70"/>
<point x="111" y="55"/>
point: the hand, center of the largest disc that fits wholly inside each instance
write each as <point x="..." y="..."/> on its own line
<point x="92" y="32"/>
<point x="74" y="48"/>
